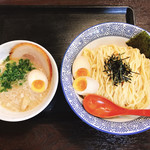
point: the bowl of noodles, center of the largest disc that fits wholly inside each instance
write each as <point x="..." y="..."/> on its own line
<point x="98" y="43"/>
<point x="28" y="80"/>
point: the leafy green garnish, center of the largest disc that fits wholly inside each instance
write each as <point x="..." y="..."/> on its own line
<point x="117" y="70"/>
<point x="142" y="42"/>
<point x="7" y="59"/>
<point x="14" y="72"/>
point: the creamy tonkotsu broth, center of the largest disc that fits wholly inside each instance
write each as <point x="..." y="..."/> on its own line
<point x="21" y="98"/>
<point x="33" y="74"/>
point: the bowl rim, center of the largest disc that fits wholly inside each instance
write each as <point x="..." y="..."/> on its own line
<point x="61" y="72"/>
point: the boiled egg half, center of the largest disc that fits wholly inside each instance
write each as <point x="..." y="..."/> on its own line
<point x="85" y="85"/>
<point x="81" y="67"/>
<point x="37" y="80"/>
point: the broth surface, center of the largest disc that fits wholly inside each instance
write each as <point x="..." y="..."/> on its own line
<point x="21" y="98"/>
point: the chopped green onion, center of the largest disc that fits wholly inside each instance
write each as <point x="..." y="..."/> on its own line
<point x="14" y="72"/>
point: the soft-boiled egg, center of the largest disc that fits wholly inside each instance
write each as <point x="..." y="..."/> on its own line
<point x="85" y="85"/>
<point x="38" y="81"/>
<point x="81" y="67"/>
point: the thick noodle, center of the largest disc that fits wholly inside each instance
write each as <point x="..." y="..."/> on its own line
<point x="134" y="95"/>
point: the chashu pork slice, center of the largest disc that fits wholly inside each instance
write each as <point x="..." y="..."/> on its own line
<point x="35" y="54"/>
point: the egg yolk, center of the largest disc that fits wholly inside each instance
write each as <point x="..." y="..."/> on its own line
<point x="38" y="86"/>
<point x="82" y="72"/>
<point x="80" y="84"/>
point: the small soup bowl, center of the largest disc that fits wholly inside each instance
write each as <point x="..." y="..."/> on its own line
<point x="12" y="116"/>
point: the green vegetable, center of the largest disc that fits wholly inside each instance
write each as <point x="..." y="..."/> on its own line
<point x="7" y="59"/>
<point x="142" y="42"/>
<point x="14" y="72"/>
<point x="117" y="70"/>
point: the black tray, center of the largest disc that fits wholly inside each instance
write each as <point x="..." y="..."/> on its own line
<point x="54" y="27"/>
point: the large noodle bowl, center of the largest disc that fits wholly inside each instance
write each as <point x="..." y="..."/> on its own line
<point x="134" y="95"/>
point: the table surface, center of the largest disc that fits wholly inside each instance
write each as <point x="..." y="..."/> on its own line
<point x="64" y="131"/>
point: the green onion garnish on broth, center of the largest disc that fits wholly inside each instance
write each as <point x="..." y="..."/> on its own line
<point x="14" y="73"/>
<point x="117" y="70"/>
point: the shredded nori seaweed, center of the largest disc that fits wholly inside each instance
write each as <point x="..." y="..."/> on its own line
<point x="117" y="70"/>
<point x="142" y="42"/>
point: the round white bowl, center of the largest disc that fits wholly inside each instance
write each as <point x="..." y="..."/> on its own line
<point x="11" y="116"/>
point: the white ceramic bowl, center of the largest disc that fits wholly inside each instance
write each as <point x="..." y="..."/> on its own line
<point x="7" y="115"/>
